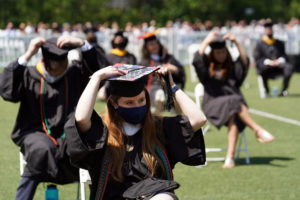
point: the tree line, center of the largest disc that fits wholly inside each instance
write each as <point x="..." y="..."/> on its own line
<point x="137" y="11"/>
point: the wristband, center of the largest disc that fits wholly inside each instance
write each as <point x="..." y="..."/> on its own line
<point x="174" y="89"/>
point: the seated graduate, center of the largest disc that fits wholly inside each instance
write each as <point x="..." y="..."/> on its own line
<point x="128" y="144"/>
<point x="154" y="54"/>
<point x="271" y="60"/>
<point x="118" y="54"/>
<point x="223" y="102"/>
<point x="48" y="93"/>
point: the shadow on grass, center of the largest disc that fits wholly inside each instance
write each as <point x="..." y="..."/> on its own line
<point x="293" y="95"/>
<point x="264" y="161"/>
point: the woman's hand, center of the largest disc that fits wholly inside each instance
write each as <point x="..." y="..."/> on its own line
<point x="69" y="41"/>
<point x="230" y="37"/>
<point x="211" y="37"/>
<point x="108" y="72"/>
<point x="172" y="68"/>
<point x="163" y="71"/>
<point x="33" y="47"/>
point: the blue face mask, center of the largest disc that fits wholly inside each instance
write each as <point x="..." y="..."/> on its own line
<point x="133" y="115"/>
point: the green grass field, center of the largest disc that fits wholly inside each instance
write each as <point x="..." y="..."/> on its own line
<point x="274" y="172"/>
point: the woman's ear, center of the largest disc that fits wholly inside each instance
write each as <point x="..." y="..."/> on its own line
<point x="114" y="104"/>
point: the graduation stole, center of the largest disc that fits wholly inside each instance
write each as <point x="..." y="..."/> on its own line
<point x="42" y="109"/>
<point x="150" y="76"/>
<point x="267" y="40"/>
<point x="106" y="169"/>
<point x="213" y="72"/>
<point x="118" y="52"/>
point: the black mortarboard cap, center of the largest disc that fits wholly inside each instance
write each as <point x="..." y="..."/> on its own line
<point x="218" y="43"/>
<point x="132" y="83"/>
<point x="51" y="51"/>
<point x="268" y="23"/>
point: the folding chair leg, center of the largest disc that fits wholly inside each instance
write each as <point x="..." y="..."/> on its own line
<point x="261" y="88"/>
<point x="82" y="191"/>
<point x="246" y="148"/>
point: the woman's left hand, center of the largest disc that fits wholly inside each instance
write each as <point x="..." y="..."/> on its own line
<point x="230" y="37"/>
<point x="164" y="71"/>
<point x="69" y="40"/>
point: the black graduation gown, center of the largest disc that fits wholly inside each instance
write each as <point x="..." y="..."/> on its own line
<point x="128" y="58"/>
<point x="86" y="150"/>
<point x="23" y="84"/>
<point x="264" y="51"/>
<point x="222" y="98"/>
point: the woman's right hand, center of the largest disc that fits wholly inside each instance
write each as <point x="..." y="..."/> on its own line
<point x="33" y="47"/>
<point x="108" y="72"/>
<point x="211" y="37"/>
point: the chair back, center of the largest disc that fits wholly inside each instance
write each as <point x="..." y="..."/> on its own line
<point x="199" y="93"/>
<point x="191" y="52"/>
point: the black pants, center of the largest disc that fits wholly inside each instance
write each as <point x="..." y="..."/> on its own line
<point x="26" y="188"/>
<point x="45" y="163"/>
<point x="285" y="70"/>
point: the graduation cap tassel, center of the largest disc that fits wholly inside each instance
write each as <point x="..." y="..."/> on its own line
<point x="168" y="90"/>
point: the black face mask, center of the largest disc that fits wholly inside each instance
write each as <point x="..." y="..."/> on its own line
<point x="133" y="115"/>
<point x="121" y="45"/>
<point x="270" y="35"/>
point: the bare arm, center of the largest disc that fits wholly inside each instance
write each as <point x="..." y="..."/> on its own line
<point x="241" y="50"/>
<point x="33" y="48"/>
<point x="209" y="38"/>
<point x="85" y="106"/>
<point x="188" y="107"/>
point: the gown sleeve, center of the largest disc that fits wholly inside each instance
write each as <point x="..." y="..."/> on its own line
<point x="93" y="60"/>
<point x="12" y="82"/>
<point x="240" y="71"/>
<point x="180" y="77"/>
<point x="182" y="143"/>
<point x="85" y="147"/>
<point x="200" y="63"/>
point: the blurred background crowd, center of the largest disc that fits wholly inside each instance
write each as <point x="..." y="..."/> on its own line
<point x="176" y="35"/>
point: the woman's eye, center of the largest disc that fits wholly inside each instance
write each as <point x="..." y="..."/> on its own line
<point x="141" y="100"/>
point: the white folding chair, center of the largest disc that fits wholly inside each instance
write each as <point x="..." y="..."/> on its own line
<point x="199" y="92"/>
<point x="22" y="163"/>
<point x="84" y="177"/>
<point x="191" y="51"/>
<point x="261" y="88"/>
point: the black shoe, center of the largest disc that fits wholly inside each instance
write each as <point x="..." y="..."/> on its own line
<point x="268" y="95"/>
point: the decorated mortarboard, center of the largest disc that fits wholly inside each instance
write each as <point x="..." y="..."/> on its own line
<point x="149" y="36"/>
<point x="218" y="43"/>
<point x="51" y="51"/>
<point x="132" y="83"/>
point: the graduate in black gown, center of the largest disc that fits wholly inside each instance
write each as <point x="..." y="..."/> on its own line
<point x="128" y="144"/>
<point x="118" y="54"/>
<point x="154" y="54"/>
<point x="48" y="94"/>
<point x="271" y="60"/>
<point x="223" y="102"/>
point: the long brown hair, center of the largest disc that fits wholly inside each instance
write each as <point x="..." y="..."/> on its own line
<point x="163" y="53"/>
<point x="150" y="136"/>
<point x="226" y="67"/>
